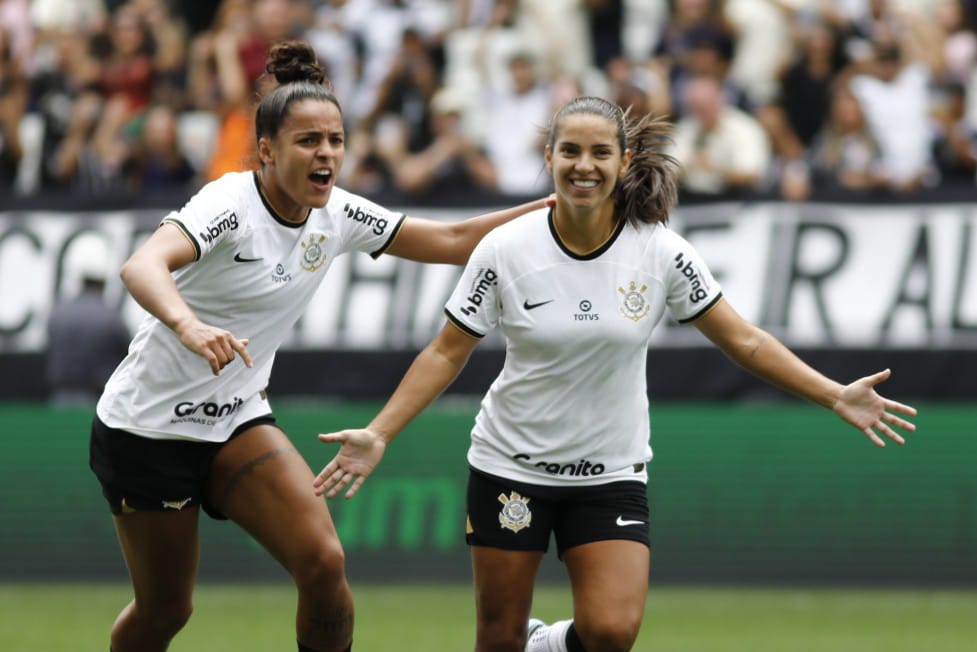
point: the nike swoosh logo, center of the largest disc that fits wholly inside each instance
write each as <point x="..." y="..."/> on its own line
<point x="238" y="258"/>
<point x="530" y="306"/>
<point x="620" y="521"/>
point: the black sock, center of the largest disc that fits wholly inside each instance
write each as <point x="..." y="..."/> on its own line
<point x="302" y="648"/>
<point x="574" y="644"/>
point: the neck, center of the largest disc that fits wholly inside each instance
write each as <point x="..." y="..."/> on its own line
<point x="584" y="230"/>
<point x="283" y="205"/>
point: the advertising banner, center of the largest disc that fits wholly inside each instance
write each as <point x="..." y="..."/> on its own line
<point x="816" y="275"/>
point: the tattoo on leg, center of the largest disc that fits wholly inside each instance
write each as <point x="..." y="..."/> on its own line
<point x="249" y="468"/>
<point x="335" y="627"/>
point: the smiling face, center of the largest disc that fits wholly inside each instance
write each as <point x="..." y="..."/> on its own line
<point x="299" y="165"/>
<point x="586" y="161"/>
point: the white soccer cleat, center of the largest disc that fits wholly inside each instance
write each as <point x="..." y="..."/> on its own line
<point x="536" y="636"/>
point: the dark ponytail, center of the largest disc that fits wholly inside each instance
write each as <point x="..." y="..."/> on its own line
<point x="299" y="75"/>
<point x="649" y="187"/>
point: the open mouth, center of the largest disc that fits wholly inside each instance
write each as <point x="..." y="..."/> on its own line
<point x="584" y="184"/>
<point x="321" y="178"/>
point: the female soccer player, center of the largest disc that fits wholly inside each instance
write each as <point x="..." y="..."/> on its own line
<point x="561" y="442"/>
<point x="184" y="421"/>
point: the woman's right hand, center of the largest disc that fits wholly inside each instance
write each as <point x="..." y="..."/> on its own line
<point x="361" y="451"/>
<point x="215" y="345"/>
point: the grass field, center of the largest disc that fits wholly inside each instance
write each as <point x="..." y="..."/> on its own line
<point x="435" y="618"/>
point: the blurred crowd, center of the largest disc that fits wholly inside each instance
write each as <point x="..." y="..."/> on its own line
<point x="790" y="97"/>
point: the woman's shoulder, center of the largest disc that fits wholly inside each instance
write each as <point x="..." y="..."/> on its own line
<point x="522" y="227"/>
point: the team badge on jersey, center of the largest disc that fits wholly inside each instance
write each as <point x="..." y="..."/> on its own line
<point x="634" y="305"/>
<point x="515" y="514"/>
<point x="314" y="255"/>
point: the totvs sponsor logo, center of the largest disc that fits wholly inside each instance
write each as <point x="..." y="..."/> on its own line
<point x="584" y="468"/>
<point x="485" y="279"/>
<point x="226" y="221"/>
<point x="697" y="287"/>
<point x="365" y="217"/>
<point x="205" y="413"/>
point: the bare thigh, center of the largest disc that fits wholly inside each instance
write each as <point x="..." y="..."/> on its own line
<point x="504" y="582"/>
<point x="610" y="585"/>
<point x="261" y="482"/>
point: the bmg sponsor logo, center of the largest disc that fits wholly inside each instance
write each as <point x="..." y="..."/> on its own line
<point x="697" y="287"/>
<point x="484" y="280"/>
<point x="583" y="468"/>
<point x="365" y="217"/>
<point x="226" y="221"/>
<point x="205" y="413"/>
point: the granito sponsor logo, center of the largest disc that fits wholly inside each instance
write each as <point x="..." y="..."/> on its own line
<point x="583" y="468"/>
<point x="363" y="216"/>
<point x="697" y="287"/>
<point x="484" y="280"/>
<point x="206" y="413"/>
<point x="226" y="221"/>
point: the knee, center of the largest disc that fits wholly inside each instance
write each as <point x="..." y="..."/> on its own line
<point x="164" y="618"/>
<point x="613" y="633"/>
<point x="321" y="569"/>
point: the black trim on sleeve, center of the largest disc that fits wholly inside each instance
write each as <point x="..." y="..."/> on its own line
<point x="703" y="311"/>
<point x="393" y="235"/>
<point x="180" y="225"/>
<point x="462" y="327"/>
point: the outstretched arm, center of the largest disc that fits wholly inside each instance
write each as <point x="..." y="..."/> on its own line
<point x="430" y="241"/>
<point x="432" y="371"/>
<point x="765" y="356"/>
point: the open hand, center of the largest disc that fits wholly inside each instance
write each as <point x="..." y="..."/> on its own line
<point x="862" y="407"/>
<point x="359" y="455"/>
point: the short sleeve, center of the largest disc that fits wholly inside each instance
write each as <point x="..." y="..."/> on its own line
<point x="475" y="305"/>
<point x="210" y="217"/>
<point x="366" y="225"/>
<point x="692" y="290"/>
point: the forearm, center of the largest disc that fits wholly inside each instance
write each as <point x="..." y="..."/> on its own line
<point x="767" y="358"/>
<point x="432" y="371"/>
<point x="469" y="232"/>
<point x="150" y="283"/>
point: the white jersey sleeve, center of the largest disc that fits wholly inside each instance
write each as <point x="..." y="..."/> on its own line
<point x="690" y="287"/>
<point x="475" y="305"/>
<point x="212" y="215"/>
<point x="365" y="225"/>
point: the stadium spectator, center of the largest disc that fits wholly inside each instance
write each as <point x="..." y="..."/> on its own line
<point x="452" y="163"/>
<point x="155" y="164"/>
<point x="513" y="118"/>
<point x="560" y="445"/>
<point x="13" y="103"/>
<point x="893" y="91"/>
<point x="86" y="336"/>
<point x="184" y="421"/>
<point x="844" y="154"/>
<point x="721" y="149"/>
<point x="955" y="140"/>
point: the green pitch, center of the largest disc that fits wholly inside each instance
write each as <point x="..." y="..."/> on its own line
<point x="433" y="618"/>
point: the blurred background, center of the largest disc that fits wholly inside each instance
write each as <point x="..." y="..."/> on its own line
<point x="829" y="151"/>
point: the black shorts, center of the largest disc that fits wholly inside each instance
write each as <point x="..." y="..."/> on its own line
<point x="139" y="473"/>
<point x="517" y="516"/>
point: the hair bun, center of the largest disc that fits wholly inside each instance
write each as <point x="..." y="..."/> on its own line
<point x="294" y="61"/>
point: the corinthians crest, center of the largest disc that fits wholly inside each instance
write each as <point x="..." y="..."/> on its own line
<point x="634" y="306"/>
<point x="313" y="256"/>
<point x="515" y="514"/>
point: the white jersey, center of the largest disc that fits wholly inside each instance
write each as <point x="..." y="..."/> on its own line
<point x="570" y="405"/>
<point x="254" y="276"/>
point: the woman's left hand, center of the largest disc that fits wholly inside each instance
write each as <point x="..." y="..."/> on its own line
<point x="863" y="408"/>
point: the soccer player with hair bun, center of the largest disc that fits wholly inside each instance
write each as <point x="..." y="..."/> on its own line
<point x="184" y="422"/>
<point x="560" y="445"/>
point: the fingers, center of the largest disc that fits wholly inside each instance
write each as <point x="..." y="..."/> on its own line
<point x="900" y="407"/>
<point x="879" y="377"/>
<point x="893" y="420"/>
<point x="241" y="346"/>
